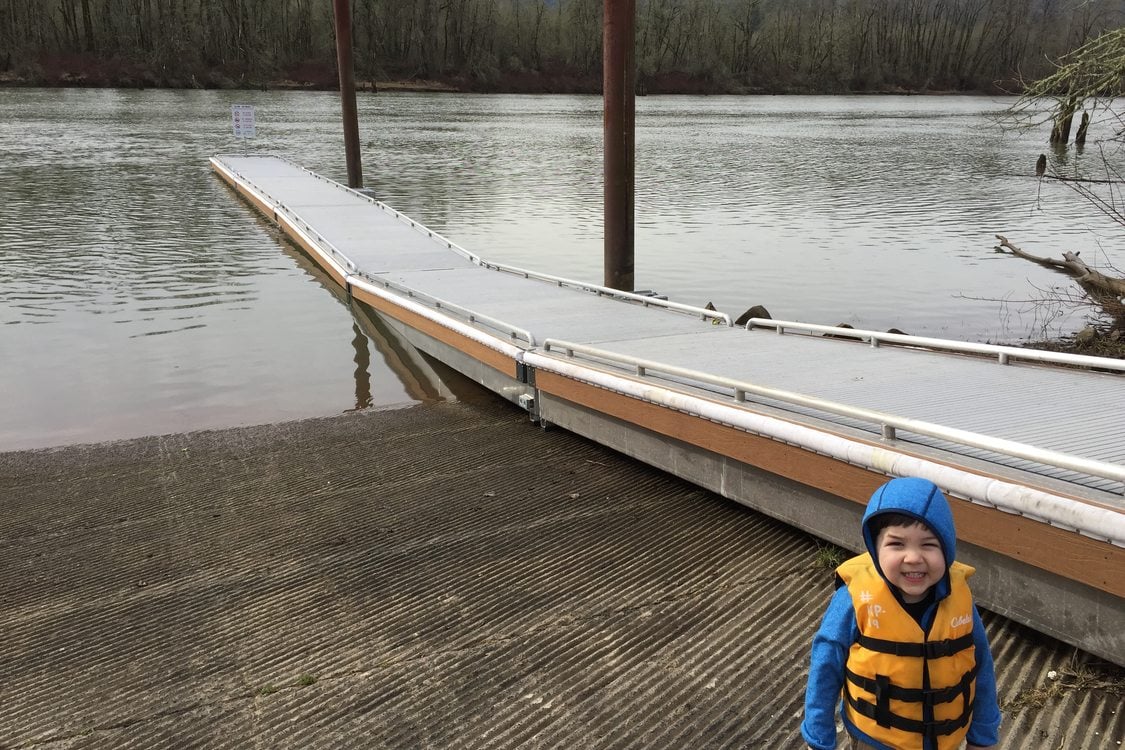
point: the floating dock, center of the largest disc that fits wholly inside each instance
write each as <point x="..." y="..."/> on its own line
<point x="798" y="421"/>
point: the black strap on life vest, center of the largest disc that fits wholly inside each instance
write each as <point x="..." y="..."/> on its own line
<point x="928" y="650"/>
<point x="929" y="697"/>
<point x="880" y="711"/>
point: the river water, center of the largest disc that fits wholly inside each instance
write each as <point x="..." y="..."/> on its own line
<point x="139" y="296"/>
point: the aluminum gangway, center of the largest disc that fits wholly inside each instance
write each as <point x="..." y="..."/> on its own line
<point x="795" y="420"/>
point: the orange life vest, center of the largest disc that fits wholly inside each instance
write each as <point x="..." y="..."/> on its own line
<point x="885" y="692"/>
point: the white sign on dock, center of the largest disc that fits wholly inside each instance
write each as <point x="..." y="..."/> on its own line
<point x="242" y="116"/>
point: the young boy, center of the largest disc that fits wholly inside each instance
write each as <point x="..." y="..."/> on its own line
<point x="902" y="649"/>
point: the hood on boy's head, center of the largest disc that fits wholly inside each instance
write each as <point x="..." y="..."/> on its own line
<point x="917" y="498"/>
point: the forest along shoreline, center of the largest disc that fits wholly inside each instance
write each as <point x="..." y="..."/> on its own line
<point x="84" y="72"/>
<point x="550" y="46"/>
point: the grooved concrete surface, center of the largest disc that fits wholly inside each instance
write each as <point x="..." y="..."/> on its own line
<point x="440" y="576"/>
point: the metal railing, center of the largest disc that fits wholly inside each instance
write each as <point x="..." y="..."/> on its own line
<point x="888" y="424"/>
<point x="475" y="318"/>
<point x="1003" y="354"/>
<point x="603" y="291"/>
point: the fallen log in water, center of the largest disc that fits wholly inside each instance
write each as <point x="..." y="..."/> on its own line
<point x="1093" y="281"/>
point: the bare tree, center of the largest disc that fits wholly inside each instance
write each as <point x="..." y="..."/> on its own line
<point x="1092" y="76"/>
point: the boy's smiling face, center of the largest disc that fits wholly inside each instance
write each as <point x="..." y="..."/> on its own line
<point x="911" y="559"/>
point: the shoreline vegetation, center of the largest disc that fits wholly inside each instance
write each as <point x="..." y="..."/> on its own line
<point x="82" y="71"/>
<point x="549" y="46"/>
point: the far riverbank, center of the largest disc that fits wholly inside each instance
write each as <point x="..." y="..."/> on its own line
<point x="86" y="71"/>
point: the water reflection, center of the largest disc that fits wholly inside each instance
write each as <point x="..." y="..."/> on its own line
<point x="422" y="379"/>
<point x="425" y="379"/>
<point x="362" y="374"/>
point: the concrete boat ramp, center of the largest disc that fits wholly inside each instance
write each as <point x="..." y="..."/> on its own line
<point x="440" y="576"/>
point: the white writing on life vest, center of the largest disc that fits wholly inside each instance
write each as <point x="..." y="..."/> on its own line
<point x="873" y="610"/>
<point x="960" y="620"/>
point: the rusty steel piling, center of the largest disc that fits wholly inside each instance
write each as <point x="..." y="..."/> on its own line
<point x="343" y="16"/>
<point x="619" y="75"/>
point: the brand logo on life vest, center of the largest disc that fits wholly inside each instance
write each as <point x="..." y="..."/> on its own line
<point x="957" y="622"/>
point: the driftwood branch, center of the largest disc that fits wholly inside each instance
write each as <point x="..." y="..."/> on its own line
<point x="1095" y="282"/>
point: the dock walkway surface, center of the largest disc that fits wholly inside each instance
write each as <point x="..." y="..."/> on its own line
<point x="439" y="576"/>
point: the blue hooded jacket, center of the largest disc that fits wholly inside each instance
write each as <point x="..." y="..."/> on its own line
<point x="920" y="499"/>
